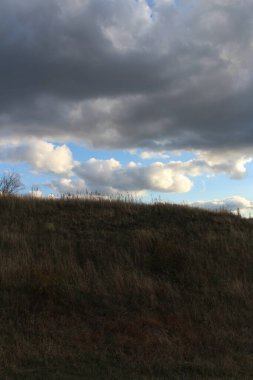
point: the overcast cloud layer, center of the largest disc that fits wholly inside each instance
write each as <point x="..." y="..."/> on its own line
<point x="118" y="73"/>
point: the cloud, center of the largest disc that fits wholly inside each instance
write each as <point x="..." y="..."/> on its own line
<point x="229" y="162"/>
<point x="40" y="155"/>
<point x="149" y="155"/>
<point x="68" y="186"/>
<point x="110" y="175"/>
<point x="119" y="74"/>
<point x="233" y="204"/>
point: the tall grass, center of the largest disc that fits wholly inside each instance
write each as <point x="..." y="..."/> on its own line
<point x="119" y="290"/>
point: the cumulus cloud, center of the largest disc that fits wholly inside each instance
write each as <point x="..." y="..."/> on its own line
<point x="229" y="162"/>
<point x="173" y="176"/>
<point x="68" y="186"/>
<point x="40" y="155"/>
<point x="121" y="74"/>
<point x="111" y="175"/>
<point x="232" y="204"/>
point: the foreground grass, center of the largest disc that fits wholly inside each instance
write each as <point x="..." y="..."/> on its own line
<point x="114" y="290"/>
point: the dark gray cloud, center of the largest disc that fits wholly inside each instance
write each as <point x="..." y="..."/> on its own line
<point x="118" y="74"/>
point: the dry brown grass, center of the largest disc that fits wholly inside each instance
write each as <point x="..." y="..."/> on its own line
<point x="115" y="290"/>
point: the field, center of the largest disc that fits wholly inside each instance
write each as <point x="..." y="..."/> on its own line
<point x="120" y="290"/>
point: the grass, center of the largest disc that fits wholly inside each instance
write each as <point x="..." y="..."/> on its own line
<point x="119" y="290"/>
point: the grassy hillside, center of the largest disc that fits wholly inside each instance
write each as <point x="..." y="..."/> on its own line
<point x="114" y="290"/>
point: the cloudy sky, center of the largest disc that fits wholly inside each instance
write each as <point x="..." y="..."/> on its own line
<point x="148" y="97"/>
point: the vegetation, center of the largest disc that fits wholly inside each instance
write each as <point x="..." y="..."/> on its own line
<point x="10" y="183"/>
<point x="116" y="290"/>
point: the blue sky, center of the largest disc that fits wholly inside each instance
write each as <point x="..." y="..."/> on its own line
<point x="101" y="96"/>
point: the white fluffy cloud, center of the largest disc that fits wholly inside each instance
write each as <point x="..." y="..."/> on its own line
<point x="232" y="204"/>
<point x="40" y="155"/>
<point x="110" y="174"/>
<point x="229" y="162"/>
<point x="68" y="186"/>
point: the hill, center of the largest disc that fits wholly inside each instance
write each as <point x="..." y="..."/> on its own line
<point x="117" y="290"/>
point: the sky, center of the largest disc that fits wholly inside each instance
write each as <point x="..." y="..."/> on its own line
<point x="147" y="98"/>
